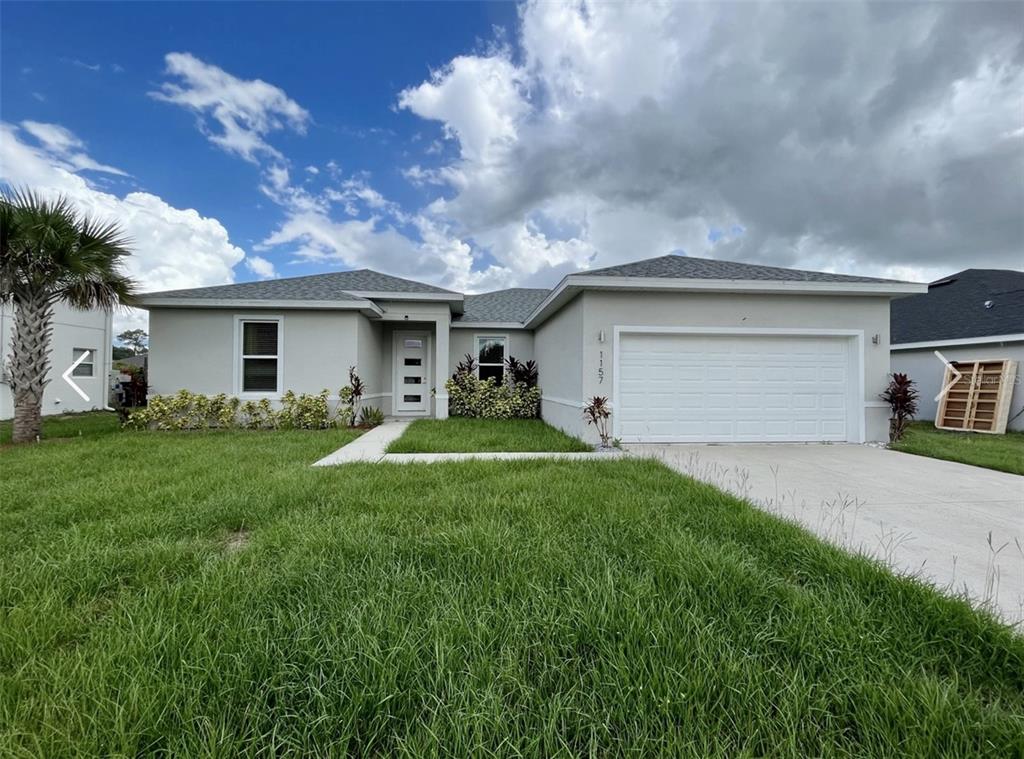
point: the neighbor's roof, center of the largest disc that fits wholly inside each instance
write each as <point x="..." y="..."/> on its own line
<point x="954" y="308"/>
<point x="686" y="267"/>
<point x="337" y="286"/>
<point x="512" y="305"/>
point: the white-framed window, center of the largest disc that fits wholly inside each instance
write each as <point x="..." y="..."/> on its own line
<point x="490" y="356"/>
<point x="88" y="367"/>
<point x="259" y="355"/>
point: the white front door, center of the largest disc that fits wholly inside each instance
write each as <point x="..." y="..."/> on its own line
<point x="411" y="392"/>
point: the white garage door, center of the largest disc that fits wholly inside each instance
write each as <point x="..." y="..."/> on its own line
<point x="726" y="388"/>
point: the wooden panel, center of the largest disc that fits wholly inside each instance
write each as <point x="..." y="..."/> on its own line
<point x="979" y="401"/>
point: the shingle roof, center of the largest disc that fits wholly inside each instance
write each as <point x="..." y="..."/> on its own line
<point x="512" y="305"/>
<point x="954" y="308"/>
<point x="332" y="286"/>
<point x="686" y="267"/>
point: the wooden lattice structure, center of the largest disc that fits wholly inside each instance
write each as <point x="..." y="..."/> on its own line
<point x="979" y="400"/>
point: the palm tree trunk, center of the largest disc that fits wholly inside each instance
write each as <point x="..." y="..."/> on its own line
<point x="30" y="363"/>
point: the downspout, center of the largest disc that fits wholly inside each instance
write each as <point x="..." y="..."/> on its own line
<point x="108" y="330"/>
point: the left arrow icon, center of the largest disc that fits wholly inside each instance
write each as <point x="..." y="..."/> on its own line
<point x="67" y="374"/>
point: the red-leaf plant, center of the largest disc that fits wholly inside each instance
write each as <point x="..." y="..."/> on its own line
<point x="596" y="412"/>
<point x="901" y="395"/>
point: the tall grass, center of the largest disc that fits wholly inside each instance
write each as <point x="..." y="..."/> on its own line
<point x="210" y="594"/>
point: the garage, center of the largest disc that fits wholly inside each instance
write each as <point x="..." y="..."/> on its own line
<point x="764" y="386"/>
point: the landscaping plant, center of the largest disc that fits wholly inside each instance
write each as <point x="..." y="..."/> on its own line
<point x="470" y="396"/>
<point x="351" y="394"/>
<point x="49" y="254"/>
<point x="596" y="412"/>
<point x="371" y="416"/>
<point x="901" y="395"/>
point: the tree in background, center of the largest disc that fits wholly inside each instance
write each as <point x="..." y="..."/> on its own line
<point x="50" y="253"/>
<point x="136" y="339"/>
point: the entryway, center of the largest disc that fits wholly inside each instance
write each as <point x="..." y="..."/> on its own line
<point x="412" y="372"/>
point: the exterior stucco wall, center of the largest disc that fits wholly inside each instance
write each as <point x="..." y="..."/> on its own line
<point x="558" y="350"/>
<point x="371" y="348"/>
<point x="603" y="311"/>
<point x="72" y="329"/>
<point x="196" y="349"/>
<point x="927" y="371"/>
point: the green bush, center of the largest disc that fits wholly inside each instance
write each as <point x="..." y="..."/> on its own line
<point x="486" y="399"/>
<point x="371" y="416"/>
<point x="194" y="411"/>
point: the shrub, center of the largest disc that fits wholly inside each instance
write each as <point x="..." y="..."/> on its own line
<point x="596" y="412"/>
<point x="194" y="411"/>
<point x="522" y="373"/>
<point x="371" y="416"/>
<point x="901" y="395"/>
<point x="486" y="399"/>
<point x="305" y="412"/>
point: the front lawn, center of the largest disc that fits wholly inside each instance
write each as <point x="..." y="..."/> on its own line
<point x="459" y="435"/>
<point x="201" y="594"/>
<point x="86" y="424"/>
<point x="1002" y="452"/>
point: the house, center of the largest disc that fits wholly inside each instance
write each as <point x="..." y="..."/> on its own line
<point x="975" y="314"/>
<point x="687" y="349"/>
<point x="75" y="333"/>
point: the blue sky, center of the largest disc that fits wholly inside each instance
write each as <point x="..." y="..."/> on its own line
<point x="488" y="145"/>
<point x="344" y="63"/>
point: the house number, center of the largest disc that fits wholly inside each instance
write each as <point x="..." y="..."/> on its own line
<point x="600" y="367"/>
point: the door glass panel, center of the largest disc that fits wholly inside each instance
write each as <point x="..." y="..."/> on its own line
<point x="412" y="343"/>
<point x="413" y="380"/>
<point x="411" y="398"/>
<point x="414" y="362"/>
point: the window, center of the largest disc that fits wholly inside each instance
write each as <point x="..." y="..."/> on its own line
<point x="490" y="356"/>
<point x="260" y="343"/>
<point x="86" y="368"/>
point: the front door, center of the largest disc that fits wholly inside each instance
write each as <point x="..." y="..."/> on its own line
<point x="411" y="391"/>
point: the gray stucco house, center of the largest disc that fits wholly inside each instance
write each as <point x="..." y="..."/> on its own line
<point x="687" y="349"/>
<point x="973" y="315"/>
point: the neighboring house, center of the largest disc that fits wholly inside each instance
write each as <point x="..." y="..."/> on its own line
<point x="74" y="333"/>
<point x="687" y="349"/>
<point x="972" y="315"/>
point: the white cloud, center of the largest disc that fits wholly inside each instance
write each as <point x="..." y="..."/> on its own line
<point x="853" y="139"/>
<point x="246" y="110"/>
<point x="261" y="267"/>
<point x="172" y="247"/>
<point x="65" y="148"/>
<point x="480" y="101"/>
<point x="312" y="170"/>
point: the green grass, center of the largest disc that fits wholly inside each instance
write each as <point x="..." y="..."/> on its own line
<point x="458" y="435"/>
<point x="86" y="424"/>
<point x="210" y="594"/>
<point x="1002" y="452"/>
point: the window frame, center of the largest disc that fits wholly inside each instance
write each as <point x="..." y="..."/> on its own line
<point x="239" y="358"/>
<point x="90" y="362"/>
<point x="506" y="344"/>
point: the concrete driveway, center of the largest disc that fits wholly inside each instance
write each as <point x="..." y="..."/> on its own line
<point x="919" y="515"/>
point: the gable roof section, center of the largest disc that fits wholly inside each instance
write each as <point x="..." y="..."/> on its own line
<point x="339" y="285"/>
<point x="676" y="273"/>
<point x="338" y="290"/>
<point x="502" y="306"/>
<point x="954" y="308"/>
<point x="686" y="267"/>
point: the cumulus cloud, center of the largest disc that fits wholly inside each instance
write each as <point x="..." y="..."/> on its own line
<point x="261" y="267"/>
<point x="245" y="110"/>
<point x="172" y="247"/>
<point x="876" y="139"/>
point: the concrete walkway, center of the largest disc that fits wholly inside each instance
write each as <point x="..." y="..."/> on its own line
<point x="372" y="446"/>
<point x="920" y="515"/>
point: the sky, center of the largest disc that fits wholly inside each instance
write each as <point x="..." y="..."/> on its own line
<point x="483" y="146"/>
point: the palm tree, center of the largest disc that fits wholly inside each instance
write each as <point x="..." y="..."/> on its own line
<point x="50" y="253"/>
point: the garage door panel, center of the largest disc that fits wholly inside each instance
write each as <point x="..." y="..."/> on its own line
<point x="731" y="388"/>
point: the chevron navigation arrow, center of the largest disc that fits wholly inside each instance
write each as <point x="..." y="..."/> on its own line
<point x="67" y="374"/>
